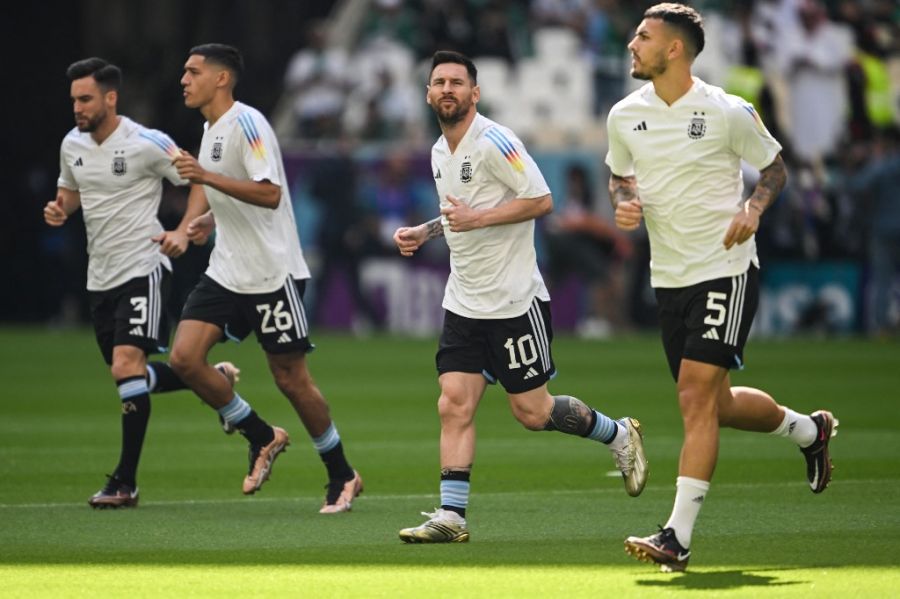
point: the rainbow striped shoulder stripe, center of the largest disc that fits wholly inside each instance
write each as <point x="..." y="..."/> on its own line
<point x="252" y="134"/>
<point x="506" y="148"/>
<point x="759" y="124"/>
<point x="162" y="141"/>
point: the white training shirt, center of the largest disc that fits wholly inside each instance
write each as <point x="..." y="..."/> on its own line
<point x="493" y="271"/>
<point x="120" y="184"/>
<point x="687" y="161"/>
<point x="256" y="248"/>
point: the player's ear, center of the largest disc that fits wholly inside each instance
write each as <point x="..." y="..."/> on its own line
<point x="427" y="97"/>
<point x="111" y="98"/>
<point x="476" y="94"/>
<point x="676" y="49"/>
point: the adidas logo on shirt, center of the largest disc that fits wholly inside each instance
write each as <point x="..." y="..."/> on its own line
<point x="284" y="338"/>
<point x="642" y="126"/>
<point x="137" y="331"/>
<point x="711" y="334"/>
<point x="78" y="162"/>
<point x="438" y="175"/>
<point x="531" y="372"/>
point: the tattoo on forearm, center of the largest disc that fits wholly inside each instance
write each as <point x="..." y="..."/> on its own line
<point x="570" y="415"/>
<point x="434" y="228"/>
<point x="771" y="182"/>
<point x="622" y="189"/>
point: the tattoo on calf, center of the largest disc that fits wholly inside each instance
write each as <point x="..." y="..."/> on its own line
<point x="570" y="415"/>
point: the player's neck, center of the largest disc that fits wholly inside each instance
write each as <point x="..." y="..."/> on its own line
<point x="455" y="132"/>
<point x="219" y="105"/>
<point x="673" y="84"/>
<point x="106" y="128"/>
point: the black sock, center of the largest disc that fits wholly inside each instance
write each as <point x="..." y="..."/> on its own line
<point x="336" y="464"/>
<point x="163" y="379"/>
<point x="135" y="416"/>
<point x="255" y="429"/>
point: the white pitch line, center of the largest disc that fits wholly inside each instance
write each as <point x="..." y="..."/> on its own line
<point x="369" y="497"/>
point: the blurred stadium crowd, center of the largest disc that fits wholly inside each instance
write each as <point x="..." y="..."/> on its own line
<point x="343" y="83"/>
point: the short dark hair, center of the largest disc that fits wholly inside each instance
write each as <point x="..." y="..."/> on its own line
<point x="108" y="76"/>
<point x="683" y="18"/>
<point x="222" y="54"/>
<point x="444" y="56"/>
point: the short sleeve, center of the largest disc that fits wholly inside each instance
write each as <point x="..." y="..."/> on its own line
<point x="748" y="137"/>
<point x="66" y="178"/>
<point x="161" y="151"/>
<point x="257" y="148"/>
<point x="509" y="162"/>
<point x="618" y="156"/>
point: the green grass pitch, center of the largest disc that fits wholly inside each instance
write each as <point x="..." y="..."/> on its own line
<point x="546" y="518"/>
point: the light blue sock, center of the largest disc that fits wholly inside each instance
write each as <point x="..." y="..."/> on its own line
<point x="455" y="494"/>
<point x="605" y="429"/>
<point x="236" y="410"/>
<point x="327" y="440"/>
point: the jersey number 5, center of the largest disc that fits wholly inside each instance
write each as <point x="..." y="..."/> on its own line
<point x="717" y="311"/>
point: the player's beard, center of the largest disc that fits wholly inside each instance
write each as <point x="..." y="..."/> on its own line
<point x="453" y="114"/>
<point x="650" y="70"/>
<point x="91" y="124"/>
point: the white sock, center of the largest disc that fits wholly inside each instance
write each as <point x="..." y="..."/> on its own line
<point x="621" y="439"/>
<point x="689" y="498"/>
<point x="799" y="428"/>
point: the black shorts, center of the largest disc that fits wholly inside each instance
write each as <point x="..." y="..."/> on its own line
<point x="515" y="351"/>
<point x="278" y="318"/>
<point x="709" y="322"/>
<point x="132" y="314"/>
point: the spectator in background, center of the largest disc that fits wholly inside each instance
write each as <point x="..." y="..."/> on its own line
<point x="813" y="60"/>
<point x="878" y="186"/>
<point x="581" y="242"/>
<point x="392" y="198"/>
<point x="343" y="240"/>
<point x="318" y="77"/>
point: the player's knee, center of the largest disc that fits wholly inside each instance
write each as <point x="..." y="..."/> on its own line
<point x="531" y="420"/>
<point x="127" y="364"/>
<point x="697" y="405"/>
<point x="184" y="363"/>
<point x="455" y="407"/>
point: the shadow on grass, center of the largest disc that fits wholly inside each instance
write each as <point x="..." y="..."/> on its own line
<point x="724" y="580"/>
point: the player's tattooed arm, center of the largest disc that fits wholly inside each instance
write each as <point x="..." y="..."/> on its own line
<point x="623" y="195"/>
<point x="746" y="221"/>
<point x="433" y="228"/>
<point x="410" y="239"/>
<point x="622" y="189"/>
<point x="771" y="182"/>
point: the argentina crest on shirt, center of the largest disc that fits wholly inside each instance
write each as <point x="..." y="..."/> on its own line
<point x="119" y="167"/>
<point x="465" y="171"/>
<point x="216" y="153"/>
<point x="697" y="128"/>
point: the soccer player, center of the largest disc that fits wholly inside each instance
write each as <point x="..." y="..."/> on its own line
<point x="112" y="168"/>
<point x="675" y="147"/>
<point x="256" y="275"/>
<point x="497" y="309"/>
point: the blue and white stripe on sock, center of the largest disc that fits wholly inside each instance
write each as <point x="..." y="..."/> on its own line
<point x="327" y="440"/>
<point x="235" y="411"/>
<point x="604" y="429"/>
<point x="151" y="377"/>
<point x="132" y="388"/>
<point x="455" y="493"/>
